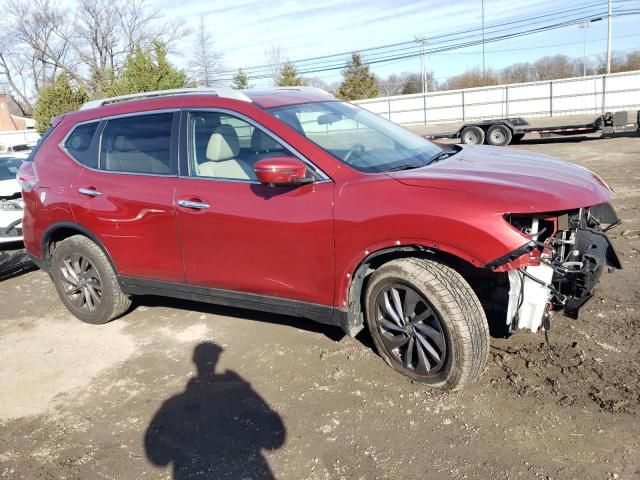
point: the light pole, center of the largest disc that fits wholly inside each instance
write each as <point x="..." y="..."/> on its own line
<point x="484" y="67"/>
<point x="609" y="38"/>
<point x="584" y="26"/>
<point x="423" y="61"/>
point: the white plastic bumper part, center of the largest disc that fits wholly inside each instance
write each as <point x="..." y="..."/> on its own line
<point x="528" y="299"/>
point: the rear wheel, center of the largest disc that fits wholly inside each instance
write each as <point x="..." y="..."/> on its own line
<point x="499" y="135"/>
<point x="472" y="136"/>
<point x="86" y="282"/>
<point x="427" y="323"/>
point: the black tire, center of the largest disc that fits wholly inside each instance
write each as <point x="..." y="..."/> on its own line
<point x="472" y="135"/>
<point x="498" y="135"/>
<point x="456" y="317"/>
<point x="517" y="138"/>
<point x="86" y="282"/>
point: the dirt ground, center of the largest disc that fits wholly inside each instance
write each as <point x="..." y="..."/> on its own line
<point x="185" y="390"/>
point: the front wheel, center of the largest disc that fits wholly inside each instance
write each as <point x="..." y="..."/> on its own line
<point x="427" y="323"/>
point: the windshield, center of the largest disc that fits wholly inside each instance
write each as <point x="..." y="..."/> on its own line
<point x="357" y="137"/>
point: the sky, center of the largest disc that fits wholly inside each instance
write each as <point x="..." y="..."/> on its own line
<point x="243" y="29"/>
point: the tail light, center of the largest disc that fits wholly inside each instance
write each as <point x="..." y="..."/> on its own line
<point x="27" y="176"/>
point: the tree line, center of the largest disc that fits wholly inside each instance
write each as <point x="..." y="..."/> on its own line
<point x="358" y="82"/>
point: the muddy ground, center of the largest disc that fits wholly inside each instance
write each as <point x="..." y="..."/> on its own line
<point x="166" y="384"/>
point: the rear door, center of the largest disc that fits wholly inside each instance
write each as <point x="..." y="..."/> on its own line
<point x="124" y="196"/>
<point x="237" y="234"/>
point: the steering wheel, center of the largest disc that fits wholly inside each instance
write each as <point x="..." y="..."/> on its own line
<point x="357" y="147"/>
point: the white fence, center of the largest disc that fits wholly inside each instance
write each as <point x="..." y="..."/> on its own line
<point x="551" y="98"/>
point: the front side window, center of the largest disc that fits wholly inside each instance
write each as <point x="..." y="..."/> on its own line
<point x="137" y="144"/>
<point x="357" y="137"/>
<point x="227" y="147"/>
<point x="79" y="144"/>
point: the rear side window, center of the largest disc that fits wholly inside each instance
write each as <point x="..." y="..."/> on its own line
<point x="79" y="144"/>
<point x="137" y="144"/>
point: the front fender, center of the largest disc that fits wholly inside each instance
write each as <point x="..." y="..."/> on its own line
<point x="375" y="214"/>
<point x="387" y="246"/>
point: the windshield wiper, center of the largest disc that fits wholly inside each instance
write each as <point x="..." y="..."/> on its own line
<point x="440" y="156"/>
<point x="404" y="167"/>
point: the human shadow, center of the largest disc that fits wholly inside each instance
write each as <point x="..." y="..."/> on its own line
<point x="217" y="428"/>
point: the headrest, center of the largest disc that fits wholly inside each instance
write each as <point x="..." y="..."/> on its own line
<point x="123" y="144"/>
<point x="80" y="142"/>
<point x="223" y="144"/>
<point x="261" y="142"/>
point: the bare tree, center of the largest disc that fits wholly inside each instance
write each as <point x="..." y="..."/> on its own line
<point x="39" y="39"/>
<point x="106" y="31"/>
<point x="14" y="75"/>
<point x="633" y="61"/>
<point x="392" y="85"/>
<point x="39" y="30"/>
<point x="517" y="73"/>
<point x="412" y="82"/>
<point x="315" y="82"/>
<point x="275" y="59"/>
<point x="474" y="77"/>
<point x="550" y="68"/>
<point x="206" y="62"/>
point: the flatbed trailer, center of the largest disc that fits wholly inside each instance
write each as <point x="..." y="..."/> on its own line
<point x="503" y="131"/>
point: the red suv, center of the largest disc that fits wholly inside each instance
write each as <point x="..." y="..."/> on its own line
<point x="288" y="200"/>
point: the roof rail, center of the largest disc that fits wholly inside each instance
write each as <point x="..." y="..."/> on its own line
<point x="217" y="91"/>
<point x="302" y="88"/>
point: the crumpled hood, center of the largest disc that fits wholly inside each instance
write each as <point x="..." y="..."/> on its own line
<point x="529" y="181"/>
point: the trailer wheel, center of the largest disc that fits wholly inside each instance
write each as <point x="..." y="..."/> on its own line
<point x="499" y="135"/>
<point x="472" y="136"/>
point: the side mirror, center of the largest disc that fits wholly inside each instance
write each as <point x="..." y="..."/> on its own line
<point x="281" y="171"/>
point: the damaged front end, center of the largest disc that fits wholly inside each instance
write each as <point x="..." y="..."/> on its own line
<point x="560" y="265"/>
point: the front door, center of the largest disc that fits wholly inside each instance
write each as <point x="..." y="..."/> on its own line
<point x="239" y="235"/>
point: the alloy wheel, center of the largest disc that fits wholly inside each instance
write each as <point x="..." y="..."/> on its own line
<point x="82" y="283"/>
<point x="411" y="330"/>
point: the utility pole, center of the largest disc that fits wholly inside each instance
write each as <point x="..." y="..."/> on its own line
<point x="584" y="25"/>
<point x="609" y="39"/>
<point x="423" y="61"/>
<point x="484" y="65"/>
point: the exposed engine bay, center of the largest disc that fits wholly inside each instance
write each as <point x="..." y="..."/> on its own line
<point x="559" y="268"/>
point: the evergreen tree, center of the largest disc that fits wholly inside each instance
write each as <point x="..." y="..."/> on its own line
<point x="358" y="82"/>
<point x="55" y="99"/>
<point x="240" y="80"/>
<point x="288" y="76"/>
<point x="146" y="71"/>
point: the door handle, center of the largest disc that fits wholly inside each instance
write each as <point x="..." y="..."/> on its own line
<point x="193" y="205"/>
<point x="91" y="192"/>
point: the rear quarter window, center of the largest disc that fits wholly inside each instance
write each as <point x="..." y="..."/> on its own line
<point x="80" y="144"/>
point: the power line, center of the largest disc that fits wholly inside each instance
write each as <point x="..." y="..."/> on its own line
<point x="432" y="40"/>
<point x="338" y="66"/>
<point x="380" y="55"/>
